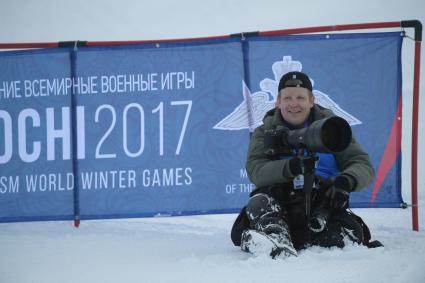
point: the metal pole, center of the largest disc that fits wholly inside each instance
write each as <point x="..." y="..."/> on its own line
<point x="415" y="115"/>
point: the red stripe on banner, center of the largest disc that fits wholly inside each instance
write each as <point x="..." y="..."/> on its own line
<point x="390" y="154"/>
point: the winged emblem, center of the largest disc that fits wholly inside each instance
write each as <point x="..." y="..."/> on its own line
<point x="249" y="114"/>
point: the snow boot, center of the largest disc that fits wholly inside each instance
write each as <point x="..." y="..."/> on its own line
<point x="259" y="243"/>
<point x="269" y="233"/>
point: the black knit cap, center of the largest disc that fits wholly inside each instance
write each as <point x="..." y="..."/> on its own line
<point x="295" y="79"/>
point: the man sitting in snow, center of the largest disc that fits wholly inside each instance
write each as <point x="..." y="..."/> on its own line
<point x="274" y="220"/>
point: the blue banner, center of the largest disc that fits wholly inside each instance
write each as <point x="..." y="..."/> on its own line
<point x="33" y="151"/>
<point x="358" y="77"/>
<point x="163" y="129"/>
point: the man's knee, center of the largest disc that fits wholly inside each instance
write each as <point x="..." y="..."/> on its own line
<point x="265" y="214"/>
<point x="262" y="205"/>
<point x="350" y="227"/>
<point x="341" y="225"/>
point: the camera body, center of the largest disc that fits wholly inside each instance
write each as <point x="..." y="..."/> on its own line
<point x="320" y="217"/>
<point x="275" y="141"/>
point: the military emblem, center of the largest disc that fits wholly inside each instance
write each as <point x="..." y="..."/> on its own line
<point x="249" y="114"/>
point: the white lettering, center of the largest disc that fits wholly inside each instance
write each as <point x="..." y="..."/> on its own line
<point x="22" y="135"/>
<point x="177" y="80"/>
<point x="10" y="89"/>
<point x="122" y="179"/>
<point x="81" y="133"/>
<point x="7" y="136"/>
<point x="53" y="134"/>
<point x="129" y="83"/>
<point x="167" y="177"/>
<point x="142" y="129"/>
<point x="9" y="184"/>
<point x="52" y="182"/>
<point x="243" y="174"/>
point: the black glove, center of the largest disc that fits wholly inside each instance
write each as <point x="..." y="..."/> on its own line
<point x="297" y="164"/>
<point x="339" y="193"/>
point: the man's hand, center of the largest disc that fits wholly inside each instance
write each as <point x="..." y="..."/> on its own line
<point x="302" y="165"/>
<point x="339" y="193"/>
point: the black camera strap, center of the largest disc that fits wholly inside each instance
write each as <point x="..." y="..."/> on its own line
<point x="309" y="178"/>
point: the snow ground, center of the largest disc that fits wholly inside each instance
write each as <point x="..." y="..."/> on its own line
<point x="198" y="249"/>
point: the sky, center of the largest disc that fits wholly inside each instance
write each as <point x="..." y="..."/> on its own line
<point x="48" y="20"/>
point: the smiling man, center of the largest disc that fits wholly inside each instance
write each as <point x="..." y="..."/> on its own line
<point x="274" y="220"/>
<point x="295" y="99"/>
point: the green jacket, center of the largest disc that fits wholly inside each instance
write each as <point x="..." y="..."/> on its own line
<point x="264" y="170"/>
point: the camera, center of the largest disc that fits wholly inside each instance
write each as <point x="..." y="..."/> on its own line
<point x="275" y="141"/>
<point x="319" y="219"/>
<point x="329" y="135"/>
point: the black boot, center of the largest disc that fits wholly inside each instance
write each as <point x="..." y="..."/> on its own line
<point x="268" y="231"/>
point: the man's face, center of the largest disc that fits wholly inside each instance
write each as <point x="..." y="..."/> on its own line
<point x="295" y="104"/>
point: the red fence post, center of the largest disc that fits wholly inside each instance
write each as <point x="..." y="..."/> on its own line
<point x="415" y="118"/>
